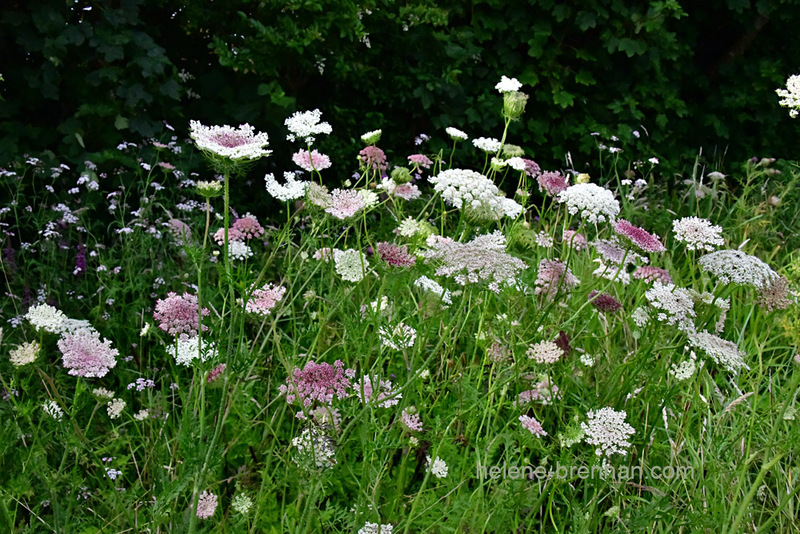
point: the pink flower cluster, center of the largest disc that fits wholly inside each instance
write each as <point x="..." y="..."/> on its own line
<point x="532" y="425"/>
<point x="179" y="314"/>
<point x="553" y="277"/>
<point x="373" y="157"/>
<point x="379" y="392"/>
<point x="319" y="382"/>
<point x="395" y="255"/>
<point x="86" y="355"/>
<point x="552" y="183"/>
<point x="311" y="161"/>
<point x="420" y="161"/>
<point x="263" y="300"/>
<point x="206" y="505"/>
<point x="345" y="203"/>
<point x="248" y="227"/>
<point x="652" y="274"/>
<point x="639" y="236"/>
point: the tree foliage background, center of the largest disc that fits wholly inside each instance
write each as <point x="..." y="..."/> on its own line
<point x="81" y="76"/>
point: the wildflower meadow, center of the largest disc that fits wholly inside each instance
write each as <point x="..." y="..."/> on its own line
<point x="442" y="338"/>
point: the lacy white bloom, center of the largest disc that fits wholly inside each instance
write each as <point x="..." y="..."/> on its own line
<point x="241" y="144"/>
<point x="305" y="125"/>
<point x="189" y="350"/>
<point x="487" y="144"/>
<point x="612" y="272"/>
<point x="734" y="266"/>
<point x="517" y="163"/>
<point x="409" y="227"/>
<point x="370" y="138"/>
<point x="314" y="449"/>
<point x="103" y="393"/>
<point x="790" y="97"/>
<point x="545" y="352"/>
<point x="475" y="194"/>
<point x="351" y="265"/>
<point x="86" y="355"/>
<point x="508" y="85"/>
<point x="482" y="259"/>
<point x="431" y="285"/>
<point x="673" y="305"/>
<point x="437" y="467"/>
<point x="594" y="203"/>
<point x="374" y="528"/>
<point x="24" y="354"/>
<point x="684" y="370"/>
<point x="239" y="251"/>
<point x="640" y="317"/>
<point x="698" y="234"/>
<point x="52" y="409"/>
<point x="115" y="407"/>
<point x="47" y="318"/>
<point x="723" y="352"/>
<point x="456" y="134"/>
<point x="400" y="337"/>
<point x="607" y="430"/>
<point x="241" y="503"/>
<point x="141" y="415"/>
<point x="293" y="189"/>
<point x="370" y="198"/>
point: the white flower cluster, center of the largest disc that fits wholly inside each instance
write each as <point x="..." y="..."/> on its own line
<point x="437" y="467"/>
<point x="305" y="125"/>
<point x="607" y="430"/>
<point x="698" y="234"/>
<point x="434" y="287"/>
<point x="475" y="194"/>
<point x="115" y="407"/>
<point x="293" y="189"/>
<point x="790" y="97"/>
<point x="508" y="85"/>
<point x="314" y="448"/>
<point x="734" y="266"/>
<point x="686" y="369"/>
<point x="188" y="349"/>
<point x="235" y="144"/>
<point x="594" y="203"/>
<point x="237" y="250"/>
<point x="370" y="138"/>
<point x="52" y="409"/>
<point x="722" y="351"/>
<point x="400" y="337"/>
<point x="47" y="318"/>
<point x="456" y="134"/>
<point x="375" y="528"/>
<point x="482" y="259"/>
<point x="545" y="352"/>
<point x="409" y="227"/>
<point x="350" y="264"/>
<point x="24" y="354"/>
<point x="674" y="305"/>
<point x="487" y="144"/>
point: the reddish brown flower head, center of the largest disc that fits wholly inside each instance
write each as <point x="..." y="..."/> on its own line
<point x="395" y="255"/>
<point x="604" y="302"/>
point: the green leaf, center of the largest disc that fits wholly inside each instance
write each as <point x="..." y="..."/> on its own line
<point x="80" y="140"/>
<point x="586" y="20"/>
<point x="120" y="123"/>
<point x="563" y="99"/>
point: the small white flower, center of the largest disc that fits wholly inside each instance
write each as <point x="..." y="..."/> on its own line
<point x="456" y="134"/>
<point x="508" y="85"/>
<point x="438" y="467"/>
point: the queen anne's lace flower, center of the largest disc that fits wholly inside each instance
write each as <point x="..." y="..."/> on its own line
<point x="188" y="349"/>
<point x="241" y="144"/>
<point x="345" y="203"/>
<point x="351" y="264"/>
<point x="723" y="352"/>
<point x="47" y="318"/>
<point x="206" y="505"/>
<point x="179" y="314"/>
<point x="374" y="528"/>
<point x="673" y="305"/>
<point x="552" y="183"/>
<point x="437" y="467"/>
<point x="305" y="125"/>
<point x="292" y="190"/>
<point x="607" y="430"/>
<point x="639" y="236"/>
<point x="313" y="448"/>
<point x="487" y="144"/>
<point x="263" y="300"/>
<point x="698" y="234"/>
<point x="475" y="194"/>
<point x="114" y="408"/>
<point x="379" y="392"/>
<point x="399" y="337"/>
<point x="553" y="277"/>
<point x="248" y="227"/>
<point x="239" y="251"/>
<point x="482" y="259"/>
<point x="431" y="285"/>
<point x="311" y="161"/>
<point x="652" y="274"/>
<point x="456" y="134"/>
<point x="594" y="203"/>
<point x="532" y="425"/>
<point x="319" y="382"/>
<point x="508" y="85"/>
<point x="395" y="255"/>
<point x="411" y="420"/>
<point x="545" y="352"/>
<point x="52" y="409"/>
<point x="86" y="355"/>
<point x="24" y="354"/>
<point x="790" y="97"/>
<point x="734" y="266"/>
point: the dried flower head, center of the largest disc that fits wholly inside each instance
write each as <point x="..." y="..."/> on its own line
<point x="775" y="296"/>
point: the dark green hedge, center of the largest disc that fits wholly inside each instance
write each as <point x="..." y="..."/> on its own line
<point x="82" y="76"/>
